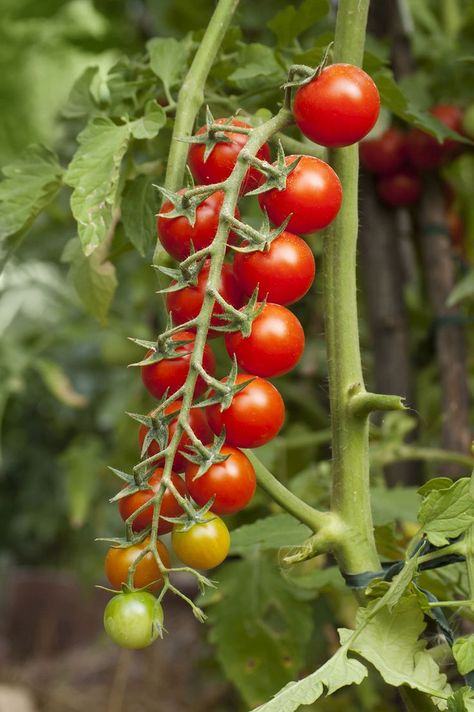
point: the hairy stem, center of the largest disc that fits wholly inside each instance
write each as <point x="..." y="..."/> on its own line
<point x="350" y="495"/>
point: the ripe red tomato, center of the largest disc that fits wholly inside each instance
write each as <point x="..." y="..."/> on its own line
<point x="275" y="344"/>
<point x="255" y="416"/>
<point x="169" y="506"/>
<point x="400" y="189"/>
<point x="313" y="195"/>
<point x="203" y="546"/>
<point x="197" y="421"/>
<point x="222" y="159"/>
<point x="231" y="482"/>
<point x="338" y="107"/>
<point x="283" y="273"/>
<point x="177" y="234"/>
<point x="147" y="573"/>
<point x="171" y="373"/>
<point x="424" y="151"/>
<point x="186" y="303"/>
<point x="385" y="154"/>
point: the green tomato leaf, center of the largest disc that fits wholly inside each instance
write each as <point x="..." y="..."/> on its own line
<point x="150" y="124"/>
<point x="463" y="290"/>
<point x="269" y="533"/>
<point x="95" y="280"/>
<point x="290" y="22"/>
<point x="256" y="61"/>
<point x="462" y="700"/>
<point x="94" y="176"/>
<point x="140" y="204"/>
<point x="446" y="513"/>
<point x="391" y="504"/>
<point x="58" y="383"/>
<point x="266" y="647"/>
<point x="394" y="99"/>
<point x="80" y="101"/>
<point x="390" y="641"/>
<point x="29" y="185"/>
<point x="463" y="651"/>
<point x="339" y="671"/>
<point x="168" y="59"/>
<point x="82" y="461"/>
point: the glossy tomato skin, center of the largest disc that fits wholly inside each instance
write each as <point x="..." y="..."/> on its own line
<point x="118" y="562"/>
<point x="383" y="155"/>
<point x="203" y="546"/>
<point x="197" y="421"/>
<point x="169" y="506"/>
<point x="221" y="161"/>
<point x="400" y="189"/>
<point x="424" y="151"/>
<point x="255" y="416"/>
<point x="313" y="194"/>
<point x="177" y="234"/>
<point x="232" y="482"/>
<point x="171" y="373"/>
<point x="283" y="273"/>
<point x="186" y="303"/>
<point x="133" y="620"/>
<point x="337" y="108"/>
<point x="275" y="344"/>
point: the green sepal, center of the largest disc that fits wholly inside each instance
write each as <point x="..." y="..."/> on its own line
<point x="266" y="235"/>
<point x="213" y="455"/>
<point x="198" y="517"/>
<point x="277" y="181"/>
<point x="123" y="475"/>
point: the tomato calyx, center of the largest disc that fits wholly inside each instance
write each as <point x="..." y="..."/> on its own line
<point x="239" y="319"/>
<point x="215" y="133"/>
<point x="276" y="173"/>
<point x="226" y="389"/>
<point x="256" y="240"/>
<point x="185" y="203"/>
<point x="307" y="73"/>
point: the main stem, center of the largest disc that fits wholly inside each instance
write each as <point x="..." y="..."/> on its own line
<point x="356" y="553"/>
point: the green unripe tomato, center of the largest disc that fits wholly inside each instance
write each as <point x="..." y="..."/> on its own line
<point x="133" y="620"/>
<point x="468" y="122"/>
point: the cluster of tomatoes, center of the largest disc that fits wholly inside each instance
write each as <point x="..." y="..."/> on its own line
<point x="399" y="159"/>
<point x="272" y="275"/>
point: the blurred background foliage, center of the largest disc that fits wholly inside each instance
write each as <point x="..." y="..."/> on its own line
<point x="65" y="317"/>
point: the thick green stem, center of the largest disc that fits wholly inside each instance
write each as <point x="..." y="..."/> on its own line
<point x="351" y="495"/>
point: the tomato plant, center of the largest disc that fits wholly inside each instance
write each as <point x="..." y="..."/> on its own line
<point x="254" y="417"/>
<point x="147" y="572"/>
<point x="204" y="545"/>
<point x="423" y="150"/>
<point x="221" y="160"/>
<point x="282" y="273"/>
<point x="338" y="107"/>
<point x="133" y="620"/>
<point x="274" y="345"/>
<point x="232" y="482"/>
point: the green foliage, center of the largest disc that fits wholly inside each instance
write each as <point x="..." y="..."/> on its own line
<point x="463" y="651"/>
<point x="290" y="23"/>
<point x="269" y="533"/>
<point x="447" y="509"/>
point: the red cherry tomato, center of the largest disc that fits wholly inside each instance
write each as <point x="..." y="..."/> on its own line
<point x="231" y="482"/>
<point x="222" y="159"/>
<point x="177" y="234"/>
<point x="313" y="196"/>
<point x="171" y="373"/>
<point x="147" y="573"/>
<point x="186" y="303"/>
<point x="400" y="189"/>
<point x="424" y="151"/>
<point x="275" y="344"/>
<point x="169" y="505"/>
<point x="255" y="416"/>
<point x="283" y="273"/>
<point x="385" y="154"/>
<point x="338" y="107"/>
<point x="197" y="421"/>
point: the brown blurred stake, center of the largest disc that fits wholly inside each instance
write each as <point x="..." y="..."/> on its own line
<point x="383" y="286"/>
<point x="440" y="278"/>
